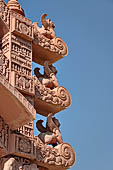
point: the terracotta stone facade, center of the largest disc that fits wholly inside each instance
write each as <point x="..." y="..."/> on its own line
<point x="22" y="95"/>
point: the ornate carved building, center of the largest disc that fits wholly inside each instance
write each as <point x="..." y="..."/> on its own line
<point x="22" y="95"/>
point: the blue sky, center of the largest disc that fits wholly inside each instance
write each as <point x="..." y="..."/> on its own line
<point x="87" y="72"/>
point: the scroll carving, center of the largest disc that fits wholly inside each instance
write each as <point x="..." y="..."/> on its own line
<point x="57" y="96"/>
<point x="61" y="155"/>
<point x="47" y="88"/>
<point x="46" y="38"/>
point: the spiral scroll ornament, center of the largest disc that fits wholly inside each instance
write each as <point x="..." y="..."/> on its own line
<point x="68" y="154"/>
<point x="61" y="45"/>
<point x="64" y="95"/>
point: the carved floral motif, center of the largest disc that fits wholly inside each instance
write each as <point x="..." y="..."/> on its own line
<point x="61" y="155"/>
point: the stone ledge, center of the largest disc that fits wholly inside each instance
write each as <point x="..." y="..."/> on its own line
<point x="15" y="108"/>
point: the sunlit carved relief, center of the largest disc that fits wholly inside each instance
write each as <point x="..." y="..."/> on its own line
<point x="60" y="155"/>
<point x="47" y="27"/>
<point x="45" y="37"/>
<point x="21" y="56"/>
<point x="48" y="89"/>
<point x="22" y="42"/>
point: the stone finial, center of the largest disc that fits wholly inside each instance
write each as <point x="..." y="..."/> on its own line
<point x="15" y="6"/>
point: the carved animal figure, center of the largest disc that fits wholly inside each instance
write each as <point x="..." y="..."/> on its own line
<point x="47" y="27"/>
<point x="49" y="78"/>
<point x="51" y="133"/>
